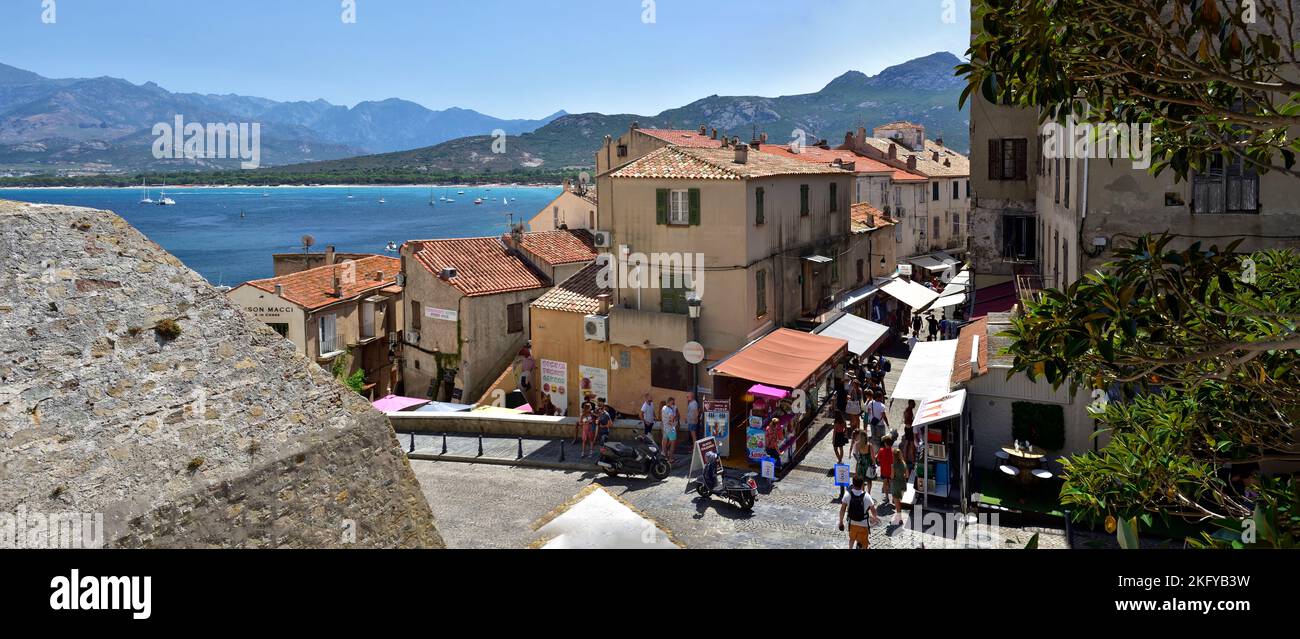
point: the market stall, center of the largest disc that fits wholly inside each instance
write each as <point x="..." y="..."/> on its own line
<point x="774" y="387"/>
<point x="863" y="336"/>
<point x="944" y="463"/>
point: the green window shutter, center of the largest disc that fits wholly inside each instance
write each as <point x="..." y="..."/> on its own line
<point x="695" y="207"/>
<point x="661" y="206"/>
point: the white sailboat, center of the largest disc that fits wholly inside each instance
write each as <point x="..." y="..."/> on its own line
<point x="432" y="200"/>
<point x="145" y="185"/>
<point x="163" y="200"/>
<point x="383" y="201"/>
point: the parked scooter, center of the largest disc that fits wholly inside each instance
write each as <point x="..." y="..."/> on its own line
<point x="640" y="458"/>
<point x="739" y="487"/>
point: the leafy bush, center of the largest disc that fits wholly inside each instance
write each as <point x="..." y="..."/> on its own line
<point x="357" y="381"/>
<point x="1042" y="424"/>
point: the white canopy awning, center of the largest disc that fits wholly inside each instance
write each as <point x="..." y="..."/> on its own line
<point x="928" y="373"/>
<point x="948" y="300"/>
<point x="940" y="408"/>
<point x="862" y="335"/>
<point x="910" y="293"/>
<point x="929" y="263"/>
<point x="856" y="297"/>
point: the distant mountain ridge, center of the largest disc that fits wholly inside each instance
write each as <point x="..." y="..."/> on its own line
<point x="923" y="90"/>
<point x="98" y="121"/>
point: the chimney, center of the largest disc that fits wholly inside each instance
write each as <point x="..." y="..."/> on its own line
<point x="763" y="138"/>
<point x="935" y="156"/>
<point x="848" y="139"/>
<point x="329" y="255"/>
<point x="947" y="162"/>
<point x="938" y="141"/>
<point x="338" y="285"/>
<point x="635" y="125"/>
<point x="704" y="130"/>
<point x="713" y="134"/>
<point x="742" y="154"/>
<point x="893" y="151"/>
<point x="279" y="290"/>
<point x="824" y="145"/>
<point x="603" y="300"/>
<point x="568" y="184"/>
<point x="911" y="162"/>
<point x="379" y="276"/>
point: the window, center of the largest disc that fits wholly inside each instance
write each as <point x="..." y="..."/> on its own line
<point x="673" y="300"/>
<point x="956" y="225"/>
<point x="515" y="318"/>
<point x="1056" y="197"/>
<point x="803" y="200"/>
<point x="282" y="329"/>
<point x="680" y="213"/>
<point x="835" y="197"/>
<point x="1234" y="189"/>
<point x="968" y="189"/>
<point x="1066" y="194"/>
<point x="591" y="220"/>
<point x="367" y="320"/>
<point x="1019" y="237"/>
<point x="936" y="229"/>
<point x="555" y="216"/>
<point x="760" y="204"/>
<point x="416" y="313"/>
<point x="898" y="196"/>
<point x="328" y="334"/>
<point x="935" y="196"/>
<point x="622" y="150"/>
<point x="760" y="292"/>
<point x="668" y="369"/>
<point x="859" y="270"/>
<point x="677" y="207"/>
<point x="1007" y="159"/>
<point x="956" y="190"/>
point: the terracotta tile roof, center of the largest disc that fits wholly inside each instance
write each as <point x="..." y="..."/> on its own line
<point x="483" y="265"/>
<point x="561" y="247"/>
<point x="717" y="164"/>
<point x="961" y="370"/>
<point x="861" y="164"/>
<point x="865" y="217"/>
<point x="957" y="165"/>
<point x="898" y="126"/>
<point x="314" y="288"/>
<point x="576" y="294"/>
<point x="588" y="195"/>
<point x="680" y="137"/>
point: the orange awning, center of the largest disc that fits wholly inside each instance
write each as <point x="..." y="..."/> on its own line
<point x="784" y="357"/>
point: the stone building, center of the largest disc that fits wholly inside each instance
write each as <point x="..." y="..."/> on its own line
<point x="132" y="390"/>
<point x="339" y="314"/>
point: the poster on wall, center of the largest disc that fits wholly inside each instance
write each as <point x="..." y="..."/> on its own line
<point x="717" y="423"/>
<point x="594" y="382"/>
<point x="555" y="382"/>
<point x="756" y="439"/>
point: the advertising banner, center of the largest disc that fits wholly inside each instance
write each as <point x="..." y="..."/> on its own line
<point x="555" y="382"/>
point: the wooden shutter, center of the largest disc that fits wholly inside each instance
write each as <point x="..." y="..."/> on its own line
<point x="694" y="195"/>
<point x="995" y="159"/>
<point x="835" y="197"/>
<point x="661" y="206"/>
<point x="803" y="200"/>
<point x="1022" y="153"/>
<point x="759" y="214"/>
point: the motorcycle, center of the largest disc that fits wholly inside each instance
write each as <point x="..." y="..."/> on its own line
<point x="736" y="486"/>
<point x="640" y="458"/>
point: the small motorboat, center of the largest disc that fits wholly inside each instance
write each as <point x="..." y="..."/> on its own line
<point x="383" y="201"/>
<point x="391" y="248"/>
<point x="478" y="200"/>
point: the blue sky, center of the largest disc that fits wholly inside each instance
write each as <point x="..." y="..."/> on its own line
<point x="508" y="58"/>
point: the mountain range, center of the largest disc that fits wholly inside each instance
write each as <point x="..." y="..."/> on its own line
<point x="103" y="125"/>
<point x="922" y="90"/>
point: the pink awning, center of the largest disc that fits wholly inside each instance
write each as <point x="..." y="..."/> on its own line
<point x="768" y="391"/>
<point x="394" y="403"/>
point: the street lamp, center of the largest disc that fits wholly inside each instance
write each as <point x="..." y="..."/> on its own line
<point x="693" y="310"/>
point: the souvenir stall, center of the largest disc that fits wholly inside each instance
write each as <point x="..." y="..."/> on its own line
<point x="945" y="460"/>
<point x="928" y="375"/>
<point x="775" y="385"/>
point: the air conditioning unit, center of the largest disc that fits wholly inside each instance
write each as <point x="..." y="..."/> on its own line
<point x="596" y="328"/>
<point x="604" y="239"/>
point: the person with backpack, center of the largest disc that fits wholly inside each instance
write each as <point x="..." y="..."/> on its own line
<point x="861" y="509"/>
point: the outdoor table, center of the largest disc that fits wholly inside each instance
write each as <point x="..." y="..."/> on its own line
<point x="1026" y="460"/>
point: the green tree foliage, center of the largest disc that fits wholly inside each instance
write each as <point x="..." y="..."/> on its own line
<point x="1201" y="348"/>
<point x="1212" y="77"/>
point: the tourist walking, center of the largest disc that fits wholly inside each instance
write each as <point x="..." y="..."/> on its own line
<point x="648" y="414"/>
<point x="878" y="416"/>
<point x="932" y="325"/>
<point x="907" y="449"/>
<point x="861" y="509"/>
<point x="588" y="425"/>
<point x="853" y="407"/>
<point x="604" y="420"/>
<point x="898" y="483"/>
<point x="668" y="417"/>
<point x="694" y="419"/>
<point x="864" y="467"/>
<point x="916" y="324"/>
<point x="839" y="439"/>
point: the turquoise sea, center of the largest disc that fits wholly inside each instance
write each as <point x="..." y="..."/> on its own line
<point x="206" y="231"/>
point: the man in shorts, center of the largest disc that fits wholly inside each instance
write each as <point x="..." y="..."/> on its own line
<point x="861" y="509"/>
<point x="878" y="417"/>
<point x="648" y="416"/>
